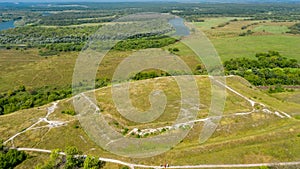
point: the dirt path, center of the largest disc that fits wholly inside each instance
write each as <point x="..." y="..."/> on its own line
<point x="265" y="109"/>
<point x="50" y="125"/>
<point x="132" y="166"/>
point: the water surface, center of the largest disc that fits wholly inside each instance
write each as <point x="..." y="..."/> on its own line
<point x="7" y="25"/>
<point x="181" y="29"/>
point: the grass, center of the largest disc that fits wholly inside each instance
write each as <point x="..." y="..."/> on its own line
<point x="229" y="44"/>
<point x="238" y="139"/>
<point x="213" y="22"/>
<point x="235" y="47"/>
<point x="28" y="69"/>
<point x="288" y="96"/>
<point x="272" y="29"/>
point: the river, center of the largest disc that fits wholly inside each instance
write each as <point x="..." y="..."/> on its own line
<point x="181" y="29"/>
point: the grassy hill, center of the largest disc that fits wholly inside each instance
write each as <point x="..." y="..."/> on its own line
<point x="260" y="136"/>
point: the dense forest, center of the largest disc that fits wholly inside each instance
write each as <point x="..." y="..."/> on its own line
<point x="37" y="36"/>
<point x="268" y="69"/>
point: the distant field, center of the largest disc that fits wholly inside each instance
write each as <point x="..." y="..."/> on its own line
<point x="234" y="47"/>
<point x="26" y="67"/>
<point x="267" y="36"/>
<point x="272" y="29"/>
<point x="213" y="22"/>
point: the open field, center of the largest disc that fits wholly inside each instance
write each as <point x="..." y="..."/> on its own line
<point x="26" y="67"/>
<point x="272" y="29"/>
<point x="267" y="36"/>
<point x="288" y="96"/>
<point x="238" y="139"/>
<point x="214" y="22"/>
<point x="248" y="46"/>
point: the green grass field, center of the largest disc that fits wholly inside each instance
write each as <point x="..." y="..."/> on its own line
<point x="235" y="47"/>
<point x="29" y="69"/>
<point x="26" y="67"/>
<point x="272" y="29"/>
<point x="229" y="44"/>
<point x="213" y="22"/>
<point x="288" y="96"/>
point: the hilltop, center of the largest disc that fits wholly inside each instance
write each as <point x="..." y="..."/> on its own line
<point x="253" y="124"/>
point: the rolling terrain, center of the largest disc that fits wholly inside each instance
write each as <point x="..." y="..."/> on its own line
<point x="253" y="124"/>
<point x="259" y="125"/>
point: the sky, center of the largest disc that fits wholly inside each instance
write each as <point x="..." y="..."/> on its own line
<point x="236" y="1"/>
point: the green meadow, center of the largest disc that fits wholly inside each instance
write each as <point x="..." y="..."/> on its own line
<point x="248" y="46"/>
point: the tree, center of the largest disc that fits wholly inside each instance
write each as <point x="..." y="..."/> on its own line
<point x="92" y="163"/>
<point x="72" y="160"/>
<point x="1" y="110"/>
<point x="11" y="158"/>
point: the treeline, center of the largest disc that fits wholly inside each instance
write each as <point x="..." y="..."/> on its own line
<point x="23" y="98"/>
<point x="10" y="158"/>
<point x="39" y="36"/>
<point x="268" y="69"/>
<point x="66" y="22"/>
<point x="144" y="43"/>
<point x="78" y="17"/>
<point x="72" y="160"/>
<point x="50" y="41"/>
<point x="150" y="74"/>
<point x="56" y="48"/>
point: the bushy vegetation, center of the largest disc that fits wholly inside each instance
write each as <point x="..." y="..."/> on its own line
<point x="268" y="69"/>
<point x="276" y="89"/>
<point x="69" y="112"/>
<point x="247" y="33"/>
<point x="40" y="36"/>
<point x="23" y="98"/>
<point x="144" y="43"/>
<point x="72" y="160"/>
<point x="149" y="74"/>
<point x="10" y="158"/>
<point x="48" y="52"/>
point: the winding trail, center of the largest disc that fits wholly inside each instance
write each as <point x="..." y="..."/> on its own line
<point x="132" y="165"/>
<point x="265" y="109"/>
<point x="50" y="125"/>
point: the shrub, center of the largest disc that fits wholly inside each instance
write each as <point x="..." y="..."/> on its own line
<point x="69" y="112"/>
